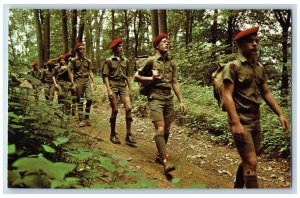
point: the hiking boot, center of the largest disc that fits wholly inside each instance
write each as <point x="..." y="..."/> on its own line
<point x="159" y="159"/>
<point x="168" y="166"/>
<point x="129" y="139"/>
<point x="115" y="140"/>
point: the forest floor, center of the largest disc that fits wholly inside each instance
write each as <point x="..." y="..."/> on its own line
<point x="197" y="159"/>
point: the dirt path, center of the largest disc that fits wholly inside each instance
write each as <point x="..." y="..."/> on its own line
<point x="197" y="160"/>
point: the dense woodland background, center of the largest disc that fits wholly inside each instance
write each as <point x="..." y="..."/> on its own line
<point x="199" y="39"/>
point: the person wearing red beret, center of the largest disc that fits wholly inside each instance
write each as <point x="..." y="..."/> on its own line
<point x="47" y="81"/>
<point x="81" y="75"/>
<point x="36" y="73"/>
<point x="245" y="86"/>
<point x="116" y="74"/>
<point x="62" y="84"/>
<point x="163" y="79"/>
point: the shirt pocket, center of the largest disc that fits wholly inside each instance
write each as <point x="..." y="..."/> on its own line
<point x="245" y="79"/>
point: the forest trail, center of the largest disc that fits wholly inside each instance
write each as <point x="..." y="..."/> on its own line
<point x="197" y="159"/>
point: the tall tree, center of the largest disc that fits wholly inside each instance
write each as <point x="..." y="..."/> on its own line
<point x="99" y="22"/>
<point x="64" y="23"/>
<point x="74" y="30"/>
<point x="47" y="35"/>
<point x="162" y="21"/>
<point x="231" y="20"/>
<point x="113" y="32"/>
<point x="154" y="23"/>
<point x="39" y="37"/>
<point x="188" y="27"/>
<point x="81" y="26"/>
<point x="284" y="18"/>
<point x="126" y="27"/>
<point x="214" y="28"/>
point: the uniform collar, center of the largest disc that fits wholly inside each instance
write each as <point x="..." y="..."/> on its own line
<point x="117" y="58"/>
<point x="78" y="58"/>
<point x="159" y="57"/>
<point x="243" y="60"/>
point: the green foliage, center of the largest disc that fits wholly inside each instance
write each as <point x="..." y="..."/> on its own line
<point x="39" y="172"/>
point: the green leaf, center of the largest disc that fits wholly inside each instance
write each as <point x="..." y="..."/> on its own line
<point x="107" y="163"/>
<point x="14" y="126"/>
<point x="31" y="165"/>
<point x="123" y="162"/>
<point x="34" y="181"/>
<point x="176" y="180"/>
<point x="60" y="140"/>
<point x="11" y="149"/>
<point x="60" y="169"/>
<point x="48" y="149"/>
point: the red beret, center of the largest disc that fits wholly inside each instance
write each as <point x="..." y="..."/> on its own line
<point x="245" y="33"/>
<point x="115" y="42"/>
<point x="77" y="46"/>
<point x="34" y="63"/>
<point x="66" y="56"/>
<point x="61" y="57"/>
<point x="158" y="38"/>
<point x="50" y="63"/>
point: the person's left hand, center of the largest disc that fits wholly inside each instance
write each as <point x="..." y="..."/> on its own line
<point x="284" y="123"/>
<point x="183" y="108"/>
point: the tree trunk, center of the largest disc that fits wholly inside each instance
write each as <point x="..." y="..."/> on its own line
<point x="113" y="36"/>
<point x="64" y="17"/>
<point x="136" y="31"/>
<point x="284" y="18"/>
<point x="74" y="30"/>
<point x="162" y="21"/>
<point x="89" y="37"/>
<point x="126" y="25"/>
<point x="39" y="37"/>
<point x="97" y="37"/>
<point x="81" y="26"/>
<point x="47" y="35"/>
<point x="214" y="28"/>
<point x="154" y="23"/>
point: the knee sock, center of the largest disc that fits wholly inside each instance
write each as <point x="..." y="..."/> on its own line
<point x="160" y="144"/>
<point x="112" y="127"/>
<point x="128" y="125"/>
<point x="251" y="181"/>
<point x="239" y="178"/>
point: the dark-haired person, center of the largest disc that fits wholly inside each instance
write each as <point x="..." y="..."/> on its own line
<point x="245" y="86"/>
<point x="116" y="74"/>
<point x="47" y="81"/>
<point x="160" y="98"/>
<point x="80" y="71"/>
<point x="62" y="84"/>
<point x="36" y="73"/>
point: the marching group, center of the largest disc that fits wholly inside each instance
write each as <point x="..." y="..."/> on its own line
<point x="244" y="88"/>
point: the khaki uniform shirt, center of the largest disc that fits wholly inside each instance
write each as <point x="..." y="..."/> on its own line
<point x="80" y="67"/>
<point x="166" y="70"/>
<point x="116" y="68"/>
<point x="248" y="80"/>
<point x="61" y="73"/>
<point x="47" y="76"/>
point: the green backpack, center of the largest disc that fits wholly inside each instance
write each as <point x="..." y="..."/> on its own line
<point x="144" y="88"/>
<point x="217" y="81"/>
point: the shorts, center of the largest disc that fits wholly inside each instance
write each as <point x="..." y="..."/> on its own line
<point x="120" y="90"/>
<point x="119" y="87"/>
<point x="252" y="139"/>
<point x="161" y="110"/>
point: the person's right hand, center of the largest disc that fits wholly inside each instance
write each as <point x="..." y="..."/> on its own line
<point x="238" y="131"/>
<point x="155" y="74"/>
<point x="110" y="94"/>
